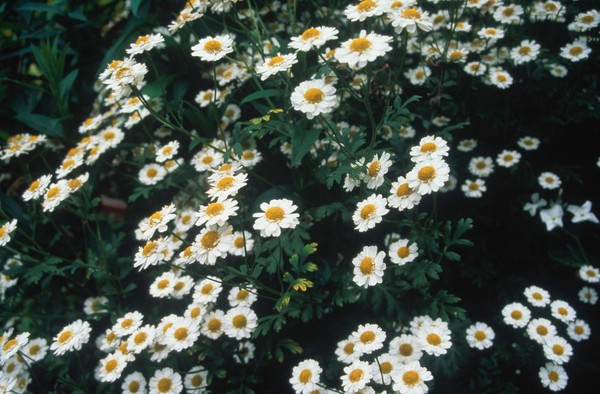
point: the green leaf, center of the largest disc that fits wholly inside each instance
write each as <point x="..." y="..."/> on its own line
<point x="42" y="123"/>
<point x="66" y="84"/>
<point x="301" y="143"/>
<point x="260" y="95"/>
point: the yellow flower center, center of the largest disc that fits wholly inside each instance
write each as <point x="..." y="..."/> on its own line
<point x="310" y="33"/>
<point x="195" y="312"/>
<point x="181" y="333"/>
<point x="314" y="95"/>
<point x="411" y="13"/>
<point x="367" y="266"/>
<point x="517" y="315"/>
<point x="367" y="211"/>
<point x="210" y="239"/>
<point x="587" y="19"/>
<point x="276" y="60"/>
<point x="305" y="376"/>
<point x="553" y="376"/>
<point x="212" y="46"/>
<point x="34" y="185"/>
<point x="206" y="289"/>
<point x="239" y="321"/>
<point x="149" y="248"/>
<point x="365" y="6"/>
<point x="74" y="184"/>
<point x="403" y="252"/>
<point x="524" y="51"/>
<point x="274" y="214"/>
<point x="65" y="336"/>
<point x="356" y="375"/>
<point x="403" y="190"/>
<point x="196" y="380"/>
<point x="151" y="173"/>
<point x="541" y="330"/>
<point x="501" y="78"/>
<point x="140" y="338"/>
<point x="142" y="40"/>
<point x="558" y="350"/>
<point x="480" y="335"/>
<point x="396" y="4"/>
<point x="349" y="348"/>
<point x="214" y="208"/>
<point x="508" y="11"/>
<point x="473" y="186"/>
<point x="410" y="378"/>
<point x="127" y="323"/>
<point x="373" y="168"/>
<point x="9" y="345"/>
<point x="434" y="339"/>
<point x="214" y="325"/>
<point x="225" y="183"/>
<point x="178" y="286"/>
<point x="155" y="218"/>
<point x="405" y="349"/>
<point x="562" y="311"/>
<point x="238" y="242"/>
<point x="385" y="367"/>
<point x="111" y="365"/>
<point x="163" y="284"/>
<point x="134" y="386"/>
<point x="35" y="349"/>
<point x="426" y="174"/>
<point x="360" y="45"/>
<point x="481" y="165"/>
<point x="242" y="295"/>
<point x="164" y="385"/>
<point x="367" y="337"/>
<point x="579" y="330"/>
<point x="550" y="6"/>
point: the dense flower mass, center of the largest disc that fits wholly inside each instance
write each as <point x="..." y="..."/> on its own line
<point x="247" y="180"/>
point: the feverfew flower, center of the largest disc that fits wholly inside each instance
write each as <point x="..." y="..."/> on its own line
<point x="410" y="19"/>
<point x="6" y="230"/>
<point x="368" y="338"/>
<point x="240" y="322"/>
<point x="429" y="147"/>
<point x="217" y="212"/>
<point x="369" y="212"/>
<point x="406" y="348"/>
<point x="589" y="273"/>
<point x="508" y="158"/>
<point x="151" y="174"/>
<point x="72" y="337"/>
<point x="157" y="221"/>
<point x="553" y="376"/>
<point x="376" y="170"/>
<point x="366" y="48"/>
<point x="527" y="51"/>
<point x="277" y="214"/>
<point x="434" y="339"/>
<point x="403" y="251"/>
<point x="364" y="10"/>
<point x="145" y="43"/>
<point x="368" y="267"/>
<point x="537" y="296"/>
<point x="582" y="213"/>
<point x="528" y="143"/>
<point x="473" y="189"/>
<point x="552" y="217"/>
<point x="165" y="381"/>
<point x="516" y="315"/>
<point x="181" y="334"/>
<point x="356" y="376"/>
<point x="275" y="64"/>
<point x="167" y="151"/>
<point x="134" y="383"/>
<point x="305" y="376"/>
<point x="579" y="330"/>
<point x="575" y="51"/>
<point x="207" y="291"/>
<point x="562" y="311"/>
<point x="402" y="196"/>
<point x="428" y="176"/>
<point x="410" y="378"/>
<point x="226" y="185"/>
<point x="313" y="37"/>
<point x="549" y="180"/>
<point x="480" y="336"/>
<point x="540" y="330"/>
<point x="314" y="97"/>
<point x="588" y="295"/>
<point x="557" y="349"/>
<point x="37" y="188"/>
<point x="111" y="367"/>
<point x="211" y="49"/>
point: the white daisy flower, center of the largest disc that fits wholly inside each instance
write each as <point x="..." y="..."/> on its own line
<point x="402" y="196"/>
<point x="165" y="381"/>
<point x="195" y="311"/>
<point x="481" y="166"/>
<point x="537" y="296"/>
<point x="196" y="380"/>
<point x="475" y="69"/>
<point x="150" y="254"/>
<point x="226" y="186"/>
<point x="141" y="339"/>
<point x="151" y="174"/>
<point x="384" y="367"/>
<point x="127" y="324"/>
<point x="276" y="215"/>
<point x="134" y="383"/>
<point x="410" y="19"/>
<point x="211" y="243"/>
<point x="313" y="37"/>
<point x="429" y="147"/>
<point x="242" y="243"/>
<point x="516" y="315"/>
<point x="549" y="180"/>
<point x="37" y="188"/>
<point x="500" y="78"/>
<point x="167" y="151"/>
<point x="540" y="330"/>
<point x="562" y="311"/>
<point x="368" y="338"/>
<point x="528" y="143"/>
<point x="365" y="48"/>
<point x="579" y="330"/>
<point x="557" y="349"/>
<point x="145" y="43"/>
<point x="376" y="170"/>
<point x="434" y="339"/>
<point x="207" y="291"/>
<point x="305" y="376"/>
<point x="211" y="49"/>
<point x="368" y="267"/>
<point x="369" y="212"/>
<point x="242" y="296"/>
<point x="410" y="378"/>
<point x="72" y="337"/>
<point x="314" y="97"/>
<point x="406" y="348"/>
<point x="553" y="376"/>
<point x="356" y="376"/>
<point x="588" y="295"/>
<point x="428" y="176"/>
<point x="6" y="230"/>
<point x="157" y="221"/>
<point x="216" y="213"/>
<point x="111" y="367"/>
<point x="589" y="273"/>
<point x="575" y="51"/>
<point x="275" y="64"/>
<point x="508" y="158"/>
<point x="474" y="189"/>
<point x="182" y="334"/>
<point x="480" y="336"/>
<point x="346" y="351"/>
<point x="403" y="251"/>
<point x="162" y="285"/>
<point x="11" y="346"/>
<point x="526" y="52"/>
<point x="36" y="349"/>
<point x="181" y="286"/>
<point x="240" y="322"/>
